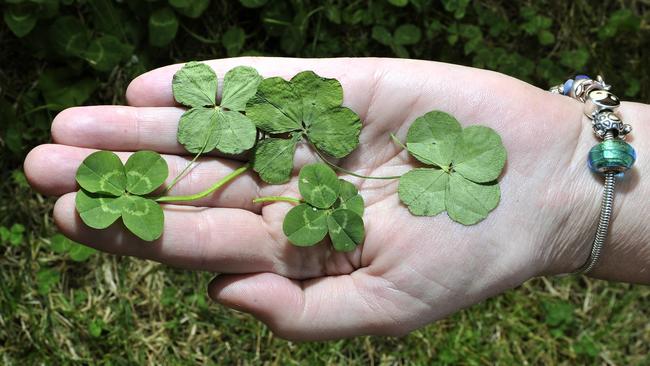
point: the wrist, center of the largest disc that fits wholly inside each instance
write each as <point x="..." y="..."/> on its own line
<point x="626" y="251"/>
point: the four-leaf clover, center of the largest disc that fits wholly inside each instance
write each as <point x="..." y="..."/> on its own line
<point x="307" y="106"/>
<point x="330" y="205"/>
<point x="207" y="126"/>
<point x="466" y="163"/>
<point x="110" y="190"/>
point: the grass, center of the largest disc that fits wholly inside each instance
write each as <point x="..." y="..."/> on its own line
<point x="114" y="310"/>
<point x="119" y="311"/>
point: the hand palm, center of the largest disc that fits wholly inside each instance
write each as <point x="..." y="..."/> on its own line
<point x="410" y="270"/>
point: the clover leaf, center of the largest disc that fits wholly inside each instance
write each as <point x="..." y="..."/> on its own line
<point x="331" y="205"/>
<point x="207" y="126"/>
<point x="465" y="165"/>
<point x="110" y="190"/>
<point x="308" y="106"/>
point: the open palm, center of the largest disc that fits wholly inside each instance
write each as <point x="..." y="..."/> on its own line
<point x="410" y="270"/>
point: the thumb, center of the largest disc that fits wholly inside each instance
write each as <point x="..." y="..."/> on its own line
<point x="324" y="308"/>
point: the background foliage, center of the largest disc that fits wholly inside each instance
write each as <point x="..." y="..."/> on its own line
<point x="61" y="303"/>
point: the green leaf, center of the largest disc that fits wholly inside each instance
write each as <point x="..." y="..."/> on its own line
<point x="305" y="225"/>
<point x="60" y="244"/>
<point x="317" y="93"/>
<point x="235" y="133"/>
<point x="81" y="253"/>
<point x="198" y="128"/>
<point x="399" y="3"/>
<point x="95" y="327"/>
<point x="346" y="229"/>
<point x="98" y="211"/>
<point x="335" y="131"/>
<point x="62" y="89"/>
<point x="190" y="8"/>
<point x="276" y="107"/>
<point x="273" y="159"/>
<point x="102" y="172"/>
<point x="78" y="253"/>
<point x="239" y="86"/>
<point x="143" y="217"/>
<point x="70" y="36"/>
<point x="145" y="171"/>
<point x="163" y="26"/>
<point x="468" y="202"/>
<point x="431" y="138"/>
<point x="47" y="278"/>
<point x="382" y="35"/>
<point x="479" y="155"/>
<point x="106" y="52"/>
<point x="253" y="3"/>
<point x="233" y="40"/>
<point x="318" y="185"/>
<point x="20" y="19"/>
<point x="423" y="191"/>
<point x="195" y="85"/>
<point x="349" y="198"/>
<point x="407" y="34"/>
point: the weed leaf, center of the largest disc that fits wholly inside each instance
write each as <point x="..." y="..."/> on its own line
<point x="432" y="137"/>
<point x="317" y="94"/>
<point x="318" y="185"/>
<point x="195" y="85"/>
<point x="423" y="191"/>
<point x="480" y="155"/>
<point x="143" y="217"/>
<point x="276" y="107"/>
<point x="234" y="132"/>
<point x="239" y="85"/>
<point x="145" y="171"/>
<point x="102" y="172"/>
<point x="335" y="131"/>
<point x="346" y="229"/>
<point x="98" y="211"/>
<point x="273" y="159"/>
<point x="349" y="198"/>
<point x="468" y="202"/>
<point x="305" y="225"/>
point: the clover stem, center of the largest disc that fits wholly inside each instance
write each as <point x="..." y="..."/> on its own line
<point x="323" y="158"/>
<point x="208" y="191"/>
<point x="277" y="199"/>
<point x="183" y="172"/>
<point x="397" y="141"/>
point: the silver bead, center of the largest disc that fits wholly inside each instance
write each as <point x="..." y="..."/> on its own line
<point x="606" y="121"/>
<point x="600" y="100"/>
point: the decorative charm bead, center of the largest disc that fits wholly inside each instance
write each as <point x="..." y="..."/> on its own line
<point x="600" y="100"/>
<point x="608" y="121"/>
<point x="611" y="156"/>
<point x="566" y="88"/>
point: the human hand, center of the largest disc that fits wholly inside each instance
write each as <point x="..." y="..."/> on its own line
<point x="410" y="270"/>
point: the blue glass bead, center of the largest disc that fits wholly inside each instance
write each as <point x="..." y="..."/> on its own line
<point x="611" y="156"/>
<point x="567" y="87"/>
<point x="578" y="77"/>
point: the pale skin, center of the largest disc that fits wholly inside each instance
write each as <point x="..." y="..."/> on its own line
<point x="410" y="271"/>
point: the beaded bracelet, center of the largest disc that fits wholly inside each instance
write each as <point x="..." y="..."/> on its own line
<point x="611" y="157"/>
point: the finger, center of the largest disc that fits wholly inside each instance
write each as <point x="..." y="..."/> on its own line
<point x="51" y="170"/>
<point x="319" y="309"/>
<point x="119" y="128"/>
<point x="154" y="87"/>
<point x="210" y="239"/>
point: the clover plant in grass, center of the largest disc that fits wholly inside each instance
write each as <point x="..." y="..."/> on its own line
<point x="463" y="167"/>
<point x="329" y="206"/>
